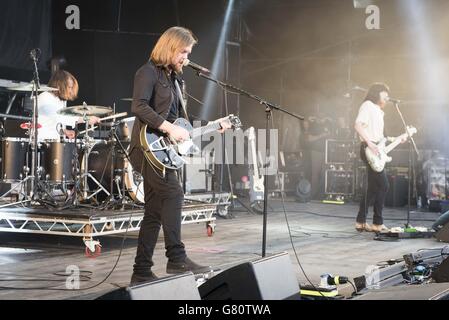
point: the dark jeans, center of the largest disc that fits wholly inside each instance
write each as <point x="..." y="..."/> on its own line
<point x="163" y="207"/>
<point x="317" y="176"/>
<point x="376" y="192"/>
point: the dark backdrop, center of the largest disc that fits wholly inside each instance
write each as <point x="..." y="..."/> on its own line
<point x="116" y="38"/>
<point x="303" y="54"/>
<point x="24" y="25"/>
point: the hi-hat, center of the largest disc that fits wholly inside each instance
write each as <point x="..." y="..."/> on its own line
<point x="30" y="87"/>
<point x="85" y="110"/>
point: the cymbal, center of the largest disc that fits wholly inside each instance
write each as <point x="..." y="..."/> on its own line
<point x="127" y="99"/>
<point x="85" y="110"/>
<point x="29" y="88"/>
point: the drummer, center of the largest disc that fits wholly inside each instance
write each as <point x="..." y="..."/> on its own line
<point x="53" y="125"/>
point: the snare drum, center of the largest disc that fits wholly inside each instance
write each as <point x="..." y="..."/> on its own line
<point x="14" y="159"/>
<point x="59" y="161"/>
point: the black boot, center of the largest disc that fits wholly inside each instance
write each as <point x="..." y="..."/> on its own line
<point x="139" y="278"/>
<point x="185" y="266"/>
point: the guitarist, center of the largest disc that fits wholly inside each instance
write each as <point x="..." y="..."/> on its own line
<point x="369" y="124"/>
<point x="156" y="103"/>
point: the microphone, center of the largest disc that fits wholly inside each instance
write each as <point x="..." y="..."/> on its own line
<point x="359" y="89"/>
<point x="393" y="100"/>
<point x="197" y="67"/>
<point x="35" y="54"/>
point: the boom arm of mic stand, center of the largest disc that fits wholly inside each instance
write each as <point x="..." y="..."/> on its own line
<point x="396" y="104"/>
<point x="249" y="95"/>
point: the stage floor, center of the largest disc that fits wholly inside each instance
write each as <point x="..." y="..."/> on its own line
<point x="323" y="235"/>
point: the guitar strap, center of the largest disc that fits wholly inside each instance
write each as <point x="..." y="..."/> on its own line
<point x="181" y="99"/>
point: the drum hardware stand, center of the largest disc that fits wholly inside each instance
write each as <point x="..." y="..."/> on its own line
<point x="123" y="199"/>
<point x="85" y="174"/>
<point x="34" y="185"/>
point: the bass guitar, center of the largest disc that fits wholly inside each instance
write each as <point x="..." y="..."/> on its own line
<point x="377" y="161"/>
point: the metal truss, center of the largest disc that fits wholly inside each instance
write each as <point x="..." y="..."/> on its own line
<point x="220" y="199"/>
<point x="16" y="220"/>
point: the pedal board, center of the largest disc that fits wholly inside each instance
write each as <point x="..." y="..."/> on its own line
<point x="308" y="291"/>
<point x="407" y="234"/>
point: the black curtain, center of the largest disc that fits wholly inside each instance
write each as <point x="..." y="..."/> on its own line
<point x="24" y="25"/>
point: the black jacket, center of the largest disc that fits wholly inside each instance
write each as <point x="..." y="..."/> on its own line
<point x="152" y="99"/>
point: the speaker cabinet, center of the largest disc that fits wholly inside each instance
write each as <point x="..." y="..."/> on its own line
<point x="179" y="287"/>
<point x="441" y="274"/>
<point x="443" y="233"/>
<point x="397" y="195"/>
<point x="431" y="291"/>
<point x="270" y="278"/>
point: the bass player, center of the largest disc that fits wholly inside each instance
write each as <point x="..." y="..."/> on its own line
<point x="369" y="125"/>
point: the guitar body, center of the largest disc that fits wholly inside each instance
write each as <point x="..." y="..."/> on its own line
<point x="377" y="162"/>
<point x="164" y="153"/>
<point x="257" y="188"/>
<point x="160" y="151"/>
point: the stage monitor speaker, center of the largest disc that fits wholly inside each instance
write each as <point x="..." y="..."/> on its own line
<point x="441" y="273"/>
<point x="179" y="287"/>
<point x="270" y="278"/>
<point x="431" y="291"/>
<point x="443" y="233"/>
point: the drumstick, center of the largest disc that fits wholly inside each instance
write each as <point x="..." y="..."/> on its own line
<point x="123" y="114"/>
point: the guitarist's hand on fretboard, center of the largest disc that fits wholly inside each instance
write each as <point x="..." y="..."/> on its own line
<point x="225" y="124"/>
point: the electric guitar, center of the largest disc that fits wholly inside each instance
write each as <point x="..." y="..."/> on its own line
<point x="256" y="191"/>
<point x="162" y="152"/>
<point x="377" y="162"/>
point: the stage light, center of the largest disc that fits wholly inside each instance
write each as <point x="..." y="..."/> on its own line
<point x="211" y="89"/>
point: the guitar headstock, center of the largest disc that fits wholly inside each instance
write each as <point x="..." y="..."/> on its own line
<point x="411" y="130"/>
<point x="235" y="121"/>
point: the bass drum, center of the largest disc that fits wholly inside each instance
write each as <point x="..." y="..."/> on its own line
<point x="134" y="183"/>
<point x="124" y="177"/>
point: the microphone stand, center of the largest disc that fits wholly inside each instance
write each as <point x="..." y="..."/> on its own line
<point x="34" y="129"/>
<point x="269" y="107"/>
<point x="411" y="164"/>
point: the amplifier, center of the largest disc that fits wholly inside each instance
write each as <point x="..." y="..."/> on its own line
<point x="284" y="182"/>
<point x="339" y="151"/>
<point x="339" y="182"/>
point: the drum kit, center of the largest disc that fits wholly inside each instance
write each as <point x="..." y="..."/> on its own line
<point x="83" y="171"/>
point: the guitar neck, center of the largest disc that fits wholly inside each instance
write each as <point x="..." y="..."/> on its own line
<point x="252" y="142"/>
<point x="394" y="144"/>
<point x="205" y="130"/>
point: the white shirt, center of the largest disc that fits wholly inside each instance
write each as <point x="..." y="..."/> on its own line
<point x="371" y="116"/>
<point x="48" y="116"/>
